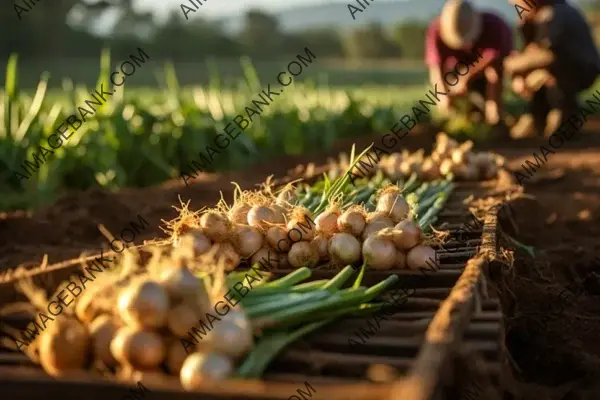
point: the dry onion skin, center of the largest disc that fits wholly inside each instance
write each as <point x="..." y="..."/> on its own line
<point x="344" y="249"/>
<point x="64" y="346"/>
<point x="326" y="222"/>
<point x="140" y="349"/>
<point x="379" y="252"/>
<point x="374" y="227"/>
<point x="144" y="303"/>
<point x="215" y="225"/>
<point x="238" y="214"/>
<point x="286" y="197"/>
<point x="225" y="253"/>
<point x="199" y="368"/>
<point x="421" y="257"/>
<point x="102" y="331"/>
<point x="352" y="221"/>
<point x="407" y="234"/>
<point x="320" y="244"/>
<point x="302" y="254"/>
<point x="247" y="240"/>
<point x="261" y="217"/>
<point x="393" y="204"/>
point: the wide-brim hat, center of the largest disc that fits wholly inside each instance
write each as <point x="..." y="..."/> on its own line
<point x="460" y="24"/>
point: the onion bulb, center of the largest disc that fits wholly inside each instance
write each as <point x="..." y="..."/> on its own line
<point x="239" y="213"/>
<point x="198" y="368"/>
<point x="352" y="221"/>
<point x="379" y="252"/>
<point x="247" y="240"/>
<point x="326" y="222"/>
<point x="261" y="217"/>
<point x="277" y="238"/>
<point x="201" y="243"/>
<point x="393" y="204"/>
<point x="144" y="303"/>
<point x="302" y="254"/>
<point x="301" y="226"/>
<point x="344" y="249"/>
<point x="232" y="339"/>
<point x="379" y="216"/>
<point x="407" y="234"/>
<point x="64" y="346"/>
<point x="374" y="227"/>
<point x="400" y="259"/>
<point x="176" y="355"/>
<point x="179" y="281"/>
<point x="139" y="349"/>
<point x="215" y="226"/>
<point x="421" y="257"/>
<point x="319" y="243"/>
<point x="181" y="318"/>
<point x="102" y="331"/>
<point x="225" y="252"/>
<point x="266" y="256"/>
<point x="280" y="214"/>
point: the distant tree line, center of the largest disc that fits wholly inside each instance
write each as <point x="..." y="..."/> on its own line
<point x="61" y="29"/>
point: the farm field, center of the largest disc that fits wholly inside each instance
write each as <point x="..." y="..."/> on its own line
<point x="126" y="164"/>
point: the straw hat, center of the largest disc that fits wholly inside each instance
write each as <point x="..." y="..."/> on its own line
<point x="460" y="24"/>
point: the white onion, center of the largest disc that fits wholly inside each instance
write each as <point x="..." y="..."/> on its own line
<point x="232" y="339"/>
<point x="407" y="234"/>
<point x="199" y="368"/>
<point x="215" y="226"/>
<point x="422" y="257"/>
<point x="225" y="252"/>
<point x="374" y="227"/>
<point x="326" y="222"/>
<point x="352" y="222"/>
<point x="302" y="254"/>
<point x="139" y="349"/>
<point x="393" y="204"/>
<point x="379" y="252"/>
<point x="261" y="217"/>
<point x="247" y="240"/>
<point x="102" y="331"/>
<point x="319" y="243"/>
<point x="344" y="249"/>
<point x="144" y="304"/>
<point x="277" y="238"/>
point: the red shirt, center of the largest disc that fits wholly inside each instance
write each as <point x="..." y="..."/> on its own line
<point x="496" y="40"/>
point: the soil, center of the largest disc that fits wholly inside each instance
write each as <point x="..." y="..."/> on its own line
<point x="559" y="216"/>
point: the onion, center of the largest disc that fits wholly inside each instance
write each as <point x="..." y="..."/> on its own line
<point x="407" y="234"/>
<point x="302" y="254"/>
<point x="215" y="226"/>
<point x="380" y="216"/>
<point x="268" y="255"/>
<point x="144" y="304"/>
<point x="280" y="214"/>
<point x="232" y="339"/>
<point x="392" y="203"/>
<point x="319" y="243"/>
<point x="374" y="227"/>
<point x="344" y="249"/>
<point x="446" y="167"/>
<point x="277" y="238"/>
<point x="247" y="240"/>
<point x="352" y="221"/>
<point x="139" y="349"/>
<point x="430" y="169"/>
<point x="225" y="253"/>
<point x="239" y="213"/>
<point x="379" y="252"/>
<point x="181" y="319"/>
<point x="287" y="197"/>
<point x="421" y="257"/>
<point x="102" y="331"/>
<point x="199" y="368"/>
<point x="176" y="356"/>
<point x="178" y="281"/>
<point x="201" y="243"/>
<point x="64" y="346"/>
<point x="301" y="222"/>
<point x="261" y="217"/>
<point x="326" y="222"/>
<point x="400" y="259"/>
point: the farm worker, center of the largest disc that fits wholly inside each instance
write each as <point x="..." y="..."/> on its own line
<point x="559" y="60"/>
<point x="462" y="35"/>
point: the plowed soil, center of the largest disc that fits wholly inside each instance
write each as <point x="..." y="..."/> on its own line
<point x="560" y="220"/>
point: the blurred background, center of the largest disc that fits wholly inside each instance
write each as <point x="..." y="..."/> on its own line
<point x="202" y="72"/>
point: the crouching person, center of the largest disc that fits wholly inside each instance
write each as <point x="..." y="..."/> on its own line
<point x="558" y="61"/>
<point x="472" y="45"/>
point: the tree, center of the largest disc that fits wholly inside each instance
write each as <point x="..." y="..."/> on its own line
<point x="410" y="37"/>
<point x="260" y="35"/>
<point x="369" y="42"/>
